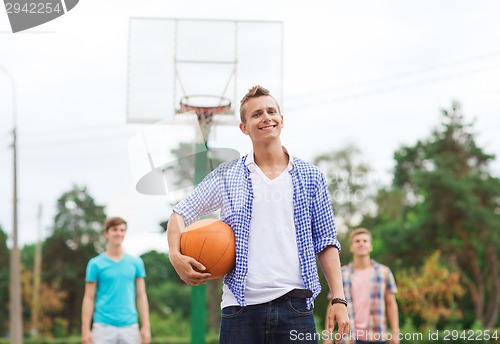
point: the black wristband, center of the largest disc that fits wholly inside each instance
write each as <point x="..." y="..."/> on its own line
<point x="339" y="300"/>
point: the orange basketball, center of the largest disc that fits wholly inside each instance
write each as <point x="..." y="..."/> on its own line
<point x="212" y="243"/>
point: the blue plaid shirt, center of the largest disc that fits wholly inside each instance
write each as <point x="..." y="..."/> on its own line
<point x="229" y="189"/>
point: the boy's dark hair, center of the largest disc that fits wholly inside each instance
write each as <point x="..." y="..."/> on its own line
<point x="254" y="92"/>
<point x="112" y="222"/>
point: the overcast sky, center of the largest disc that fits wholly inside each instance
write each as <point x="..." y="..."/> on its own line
<point x="370" y="73"/>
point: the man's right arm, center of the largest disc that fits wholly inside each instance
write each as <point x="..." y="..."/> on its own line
<point x="186" y="267"/>
<point x="87" y="312"/>
<point x="329" y="260"/>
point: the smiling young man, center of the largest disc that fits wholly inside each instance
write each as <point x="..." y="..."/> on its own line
<point x="114" y="286"/>
<point x="282" y="217"/>
<point x="370" y="290"/>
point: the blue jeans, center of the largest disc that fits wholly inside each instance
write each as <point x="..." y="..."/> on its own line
<point x="276" y="322"/>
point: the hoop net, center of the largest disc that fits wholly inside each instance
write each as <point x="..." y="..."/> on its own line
<point x="205" y="107"/>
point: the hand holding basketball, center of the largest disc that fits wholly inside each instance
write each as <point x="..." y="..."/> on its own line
<point x="210" y="242"/>
<point x="188" y="269"/>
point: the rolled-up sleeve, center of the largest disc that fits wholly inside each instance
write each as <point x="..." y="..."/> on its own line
<point x="324" y="232"/>
<point x="203" y="200"/>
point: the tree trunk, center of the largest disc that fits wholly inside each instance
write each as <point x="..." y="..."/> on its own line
<point x="492" y="311"/>
<point x="476" y="284"/>
<point x="480" y="291"/>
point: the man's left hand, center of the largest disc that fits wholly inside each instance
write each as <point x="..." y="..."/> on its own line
<point x="145" y="335"/>
<point x="338" y="314"/>
<point x="394" y="338"/>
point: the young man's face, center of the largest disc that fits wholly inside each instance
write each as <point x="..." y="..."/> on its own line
<point x="361" y="245"/>
<point x="116" y="234"/>
<point x="263" y="120"/>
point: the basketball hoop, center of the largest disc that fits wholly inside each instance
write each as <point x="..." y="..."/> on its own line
<point x="205" y="107"/>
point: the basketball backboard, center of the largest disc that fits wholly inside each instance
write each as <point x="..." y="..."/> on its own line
<point x="210" y="62"/>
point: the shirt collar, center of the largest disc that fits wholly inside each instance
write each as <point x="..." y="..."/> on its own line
<point x="250" y="162"/>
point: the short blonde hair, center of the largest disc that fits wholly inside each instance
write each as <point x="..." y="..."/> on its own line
<point x="359" y="231"/>
<point x="254" y="92"/>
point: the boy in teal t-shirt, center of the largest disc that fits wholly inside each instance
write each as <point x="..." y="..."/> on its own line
<point x="114" y="285"/>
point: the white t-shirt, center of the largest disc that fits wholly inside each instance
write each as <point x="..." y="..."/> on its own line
<point x="273" y="258"/>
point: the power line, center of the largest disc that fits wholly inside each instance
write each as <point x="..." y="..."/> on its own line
<point x="70" y="130"/>
<point x="74" y="141"/>
<point x="389" y="89"/>
<point x="400" y="75"/>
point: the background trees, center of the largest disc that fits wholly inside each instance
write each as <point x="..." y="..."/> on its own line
<point x="350" y="184"/>
<point x="444" y="197"/>
<point x="169" y="297"/>
<point x="453" y="202"/>
<point x="76" y="238"/>
<point x="51" y="300"/>
<point x="4" y="281"/>
<point x="430" y="293"/>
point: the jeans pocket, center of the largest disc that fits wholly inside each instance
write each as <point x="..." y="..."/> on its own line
<point x="299" y="306"/>
<point x="231" y="311"/>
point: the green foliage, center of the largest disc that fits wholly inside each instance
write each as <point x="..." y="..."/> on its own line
<point x="449" y="201"/>
<point x="350" y="187"/>
<point x="212" y="338"/>
<point x="159" y="270"/>
<point x="181" y="173"/>
<point x="28" y="256"/>
<point x="76" y="238"/>
<point x="444" y="196"/>
<point x="66" y="340"/>
<point x="169" y="298"/>
<point x="166" y="292"/>
<point x="173" y="324"/>
<point x="50" y="302"/>
<point x="60" y="328"/>
<point x="4" y="281"/>
<point x="79" y="220"/>
<point x="321" y="302"/>
<point x="348" y="183"/>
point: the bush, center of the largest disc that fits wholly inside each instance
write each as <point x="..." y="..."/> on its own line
<point x="169" y="325"/>
<point x="68" y="340"/>
<point x="210" y="339"/>
<point x="447" y="336"/>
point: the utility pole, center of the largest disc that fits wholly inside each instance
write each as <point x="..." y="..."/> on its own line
<point x="16" y="319"/>
<point x="199" y="293"/>
<point x="35" y="309"/>
<point x="16" y="314"/>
